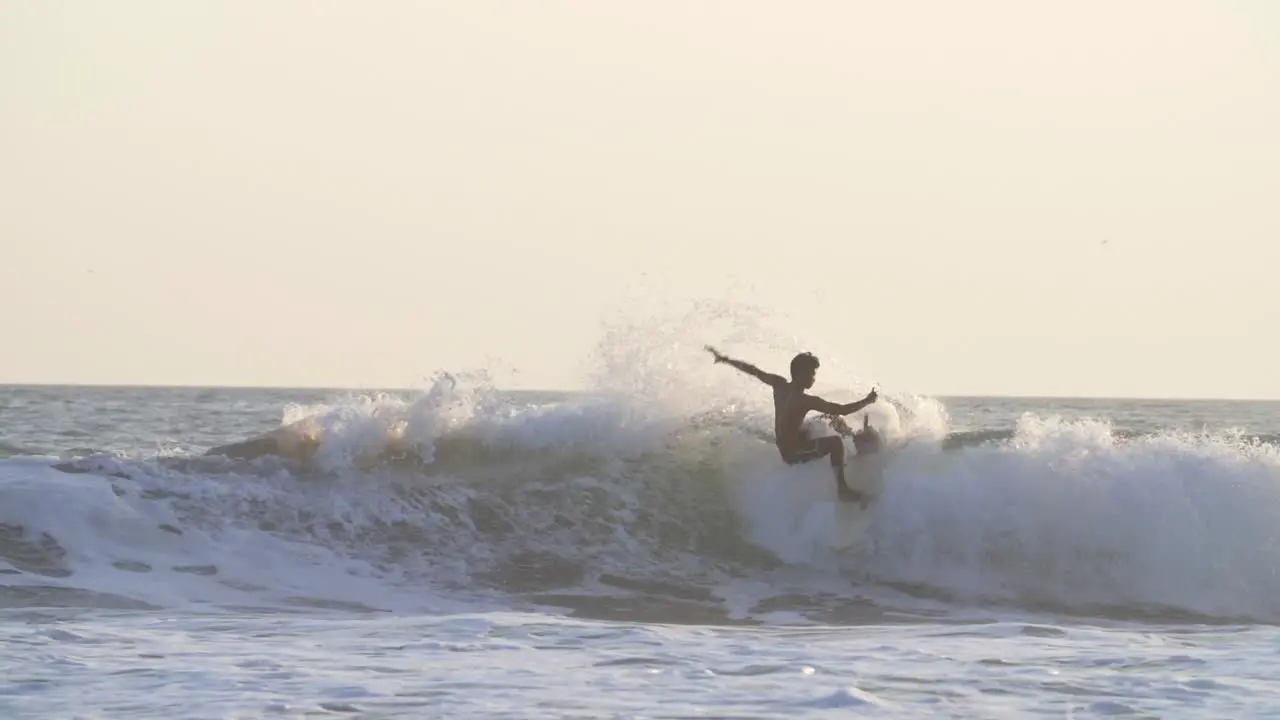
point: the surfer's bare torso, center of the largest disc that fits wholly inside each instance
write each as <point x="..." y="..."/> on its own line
<point x="790" y="406"/>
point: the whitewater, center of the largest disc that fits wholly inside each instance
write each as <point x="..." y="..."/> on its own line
<point x="636" y="550"/>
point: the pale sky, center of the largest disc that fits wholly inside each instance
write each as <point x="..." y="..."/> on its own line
<point x="986" y="197"/>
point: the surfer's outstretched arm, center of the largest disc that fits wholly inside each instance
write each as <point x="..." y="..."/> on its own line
<point x="748" y="368"/>
<point x="829" y="408"/>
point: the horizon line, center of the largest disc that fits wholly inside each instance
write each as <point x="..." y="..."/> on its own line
<point x="377" y="388"/>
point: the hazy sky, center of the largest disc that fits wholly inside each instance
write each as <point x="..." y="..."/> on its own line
<point x="982" y="197"/>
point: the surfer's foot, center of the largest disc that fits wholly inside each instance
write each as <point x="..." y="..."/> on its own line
<point x="848" y="494"/>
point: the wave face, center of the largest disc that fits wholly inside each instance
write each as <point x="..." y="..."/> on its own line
<point x="425" y="502"/>
<point x="650" y="499"/>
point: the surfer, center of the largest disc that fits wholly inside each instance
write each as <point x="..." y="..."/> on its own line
<point x="791" y="403"/>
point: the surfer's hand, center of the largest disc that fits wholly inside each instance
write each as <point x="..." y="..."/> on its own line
<point x="716" y="354"/>
<point x="872" y="396"/>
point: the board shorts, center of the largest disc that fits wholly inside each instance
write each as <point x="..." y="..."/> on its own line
<point x="807" y="452"/>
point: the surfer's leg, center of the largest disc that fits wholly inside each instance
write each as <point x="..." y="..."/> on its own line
<point x="835" y="447"/>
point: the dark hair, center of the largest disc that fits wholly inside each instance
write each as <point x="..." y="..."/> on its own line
<point x="802" y="362"/>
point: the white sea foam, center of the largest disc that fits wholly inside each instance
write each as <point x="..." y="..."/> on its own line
<point x="662" y="479"/>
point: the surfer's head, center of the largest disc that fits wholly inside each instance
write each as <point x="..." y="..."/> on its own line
<point x="803" y="369"/>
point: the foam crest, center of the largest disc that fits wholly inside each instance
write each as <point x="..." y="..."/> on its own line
<point x="361" y="430"/>
<point x="651" y="379"/>
<point x="1068" y="515"/>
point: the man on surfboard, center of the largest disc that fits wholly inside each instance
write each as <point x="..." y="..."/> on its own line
<point x="791" y="403"/>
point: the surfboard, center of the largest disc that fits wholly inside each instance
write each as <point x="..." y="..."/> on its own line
<point x="864" y="472"/>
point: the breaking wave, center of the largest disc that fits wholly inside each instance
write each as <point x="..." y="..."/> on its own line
<point x="655" y="499"/>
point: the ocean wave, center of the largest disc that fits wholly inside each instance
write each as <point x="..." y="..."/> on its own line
<point x="13" y="450"/>
<point x="610" y="503"/>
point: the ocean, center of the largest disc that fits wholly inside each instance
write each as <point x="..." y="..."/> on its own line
<point x="462" y="551"/>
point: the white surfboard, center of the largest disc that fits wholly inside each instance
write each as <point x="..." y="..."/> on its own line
<point x="866" y="475"/>
<point x="867" y="455"/>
